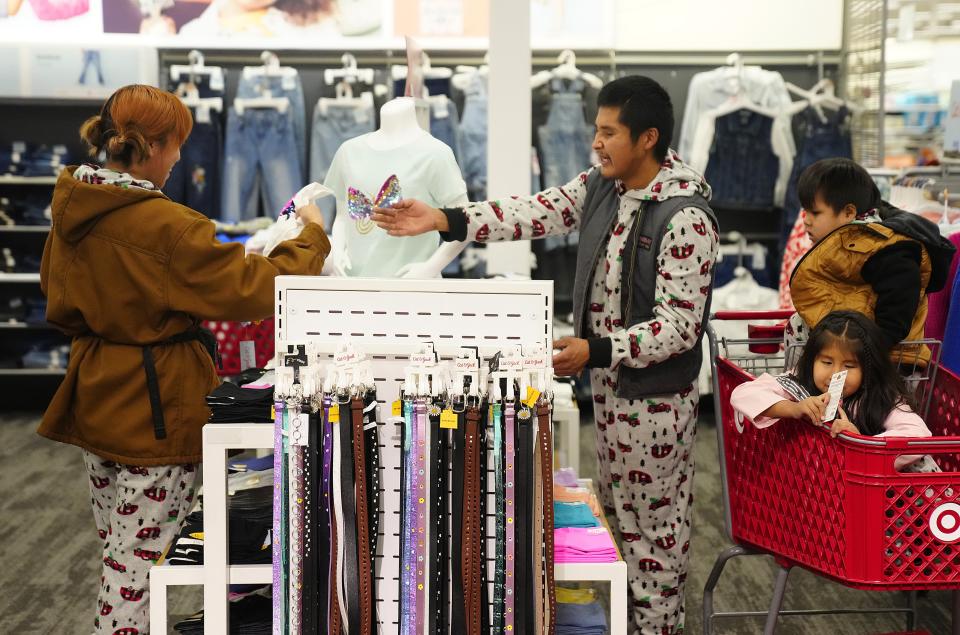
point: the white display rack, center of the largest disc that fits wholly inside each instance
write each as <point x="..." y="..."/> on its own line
<point x="390" y="319"/>
<point x="614" y="573"/>
<point x="215" y="574"/>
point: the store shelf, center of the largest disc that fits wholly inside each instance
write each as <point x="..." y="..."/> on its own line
<point x="25" y="326"/>
<point x="10" y="179"/>
<point x="25" y="229"/>
<point x="32" y="372"/>
<point x="58" y="102"/>
<point x="186" y="575"/>
<point x="20" y="277"/>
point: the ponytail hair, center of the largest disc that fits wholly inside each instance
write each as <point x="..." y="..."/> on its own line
<point x="131" y="119"/>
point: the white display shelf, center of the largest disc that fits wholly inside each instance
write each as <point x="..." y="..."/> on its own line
<point x="215" y="574"/>
<point x="20" y="277"/>
<point x="164" y="576"/>
<point x="11" y="179"/>
<point x="614" y="573"/>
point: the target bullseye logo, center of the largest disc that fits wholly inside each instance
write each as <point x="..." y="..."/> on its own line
<point x="945" y="522"/>
<point x="738" y="420"/>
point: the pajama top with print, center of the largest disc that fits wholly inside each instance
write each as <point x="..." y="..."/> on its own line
<point x="644" y="447"/>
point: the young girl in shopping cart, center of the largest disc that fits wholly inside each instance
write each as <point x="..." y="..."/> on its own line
<point x="875" y="400"/>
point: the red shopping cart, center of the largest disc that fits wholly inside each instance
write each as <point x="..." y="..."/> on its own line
<point x="836" y="507"/>
<point x="230" y="334"/>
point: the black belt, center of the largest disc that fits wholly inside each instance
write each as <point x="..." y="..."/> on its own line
<point x="523" y="490"/>
<point x="500" y="501"/>
<point x="196" y="334"/>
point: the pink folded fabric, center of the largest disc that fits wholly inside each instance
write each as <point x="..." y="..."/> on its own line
<point x="578" y="544"/>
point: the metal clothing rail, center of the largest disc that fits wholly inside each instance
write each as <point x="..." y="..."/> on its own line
<point x="545" y="57"/>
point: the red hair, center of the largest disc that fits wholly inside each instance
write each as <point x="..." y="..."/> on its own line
<point x="132" y="118"/>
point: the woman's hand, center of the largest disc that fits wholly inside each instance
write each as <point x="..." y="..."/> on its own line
<point x="842" y="424"/>
<point x="310" y="214"/>
<point x="410" y="217"/>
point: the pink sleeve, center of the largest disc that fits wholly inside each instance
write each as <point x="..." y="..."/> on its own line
<point x="754" y="397"/>
<point x="904" y="422"/>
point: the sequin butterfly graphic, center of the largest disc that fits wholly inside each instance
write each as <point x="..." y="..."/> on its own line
<point x="361" y="208"/>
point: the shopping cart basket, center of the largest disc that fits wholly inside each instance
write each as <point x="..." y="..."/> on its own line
<point x="229" y="336"/>
<point x="836" y="507"/>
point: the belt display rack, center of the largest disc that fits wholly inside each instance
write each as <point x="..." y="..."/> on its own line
<point x="489" y="315"/>
<point x="389" y="322"/>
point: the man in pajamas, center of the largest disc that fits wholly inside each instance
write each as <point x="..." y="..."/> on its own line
<point x="642" y="369"/>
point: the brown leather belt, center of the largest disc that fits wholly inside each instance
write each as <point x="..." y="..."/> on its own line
<point x="363" y="530"/>
<point x="545" y="441"/>
<point x="472" y="522"/>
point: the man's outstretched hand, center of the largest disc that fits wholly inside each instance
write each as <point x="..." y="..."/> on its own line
<point x="410" y="217"/>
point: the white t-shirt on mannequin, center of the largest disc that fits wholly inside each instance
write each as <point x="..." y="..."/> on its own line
<point x="426" y="170"/>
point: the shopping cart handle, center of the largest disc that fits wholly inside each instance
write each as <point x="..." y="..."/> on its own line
<point x="752" y="315"/>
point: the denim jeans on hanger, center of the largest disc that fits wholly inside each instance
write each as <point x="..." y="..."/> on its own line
<point x="333" y="125"/>
<point x="742" y="168"/>
<point x="473" y="139"/>
<point x="291" y="88"/>
<point x="816" y="139"/>
<point x="565" y="143"/>
<point x="446" y="128"/>
<point x="195" y="179"/>
<point x="258" y="156"/>
<point x="202" y="82"/>
<point x="91" y="59"/>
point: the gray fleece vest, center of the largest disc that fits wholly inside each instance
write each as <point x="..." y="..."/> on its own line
<point x="637" y="283"/>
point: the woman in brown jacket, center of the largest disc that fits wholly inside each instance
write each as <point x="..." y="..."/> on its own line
<point x="129" y="275"/>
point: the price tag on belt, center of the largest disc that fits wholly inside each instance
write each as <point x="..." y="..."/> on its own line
<point x="448" y="419"/>
<point x="335" y="413"/>
<point x="396" y="410"/>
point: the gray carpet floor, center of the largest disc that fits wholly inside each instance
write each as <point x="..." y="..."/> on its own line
<point x="49" y="552"/>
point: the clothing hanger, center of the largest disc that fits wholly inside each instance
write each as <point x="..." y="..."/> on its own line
<point x="567" y="70"/>
<point x="349" y="73"/>
<point x="280" y="104"/>
<point x="270" y="68"/>
<point x="464" y="74"/>
<point x="399" y="71"/>
<point x="195" y="68"/>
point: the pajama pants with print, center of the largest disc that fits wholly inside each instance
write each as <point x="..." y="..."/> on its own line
<point x="138" y="511"/>
<point x="645" y="455"/>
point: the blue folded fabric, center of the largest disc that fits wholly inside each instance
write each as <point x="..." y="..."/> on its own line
<point x="581" y="619"/>
<point x="573" y="515"/>
<point x="255" y="464"/>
